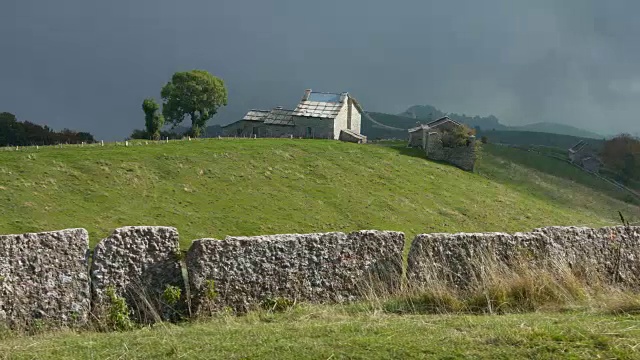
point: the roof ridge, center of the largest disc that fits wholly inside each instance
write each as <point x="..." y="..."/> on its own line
<point x="329" y="92"/>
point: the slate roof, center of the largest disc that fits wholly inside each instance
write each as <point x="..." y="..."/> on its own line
<point x="321" y="105"/>
<point x="434" y="124"/>
<point x="256" y="115"/>
<point x="419" y="127"/>
<point x="442" y="120"/>
<point x="578" y="147"/>
<point x="279" y="116"/>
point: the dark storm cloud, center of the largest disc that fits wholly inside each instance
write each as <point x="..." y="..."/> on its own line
<point x="88" y="65"/>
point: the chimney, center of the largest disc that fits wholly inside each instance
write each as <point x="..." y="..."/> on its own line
<point x="306" y="95"/>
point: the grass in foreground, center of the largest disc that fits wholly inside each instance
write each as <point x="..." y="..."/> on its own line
<point x="214" y="188"/>
<point x="327" y="333"/>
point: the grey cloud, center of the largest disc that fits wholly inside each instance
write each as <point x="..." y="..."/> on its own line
<point x="88" y="65"/>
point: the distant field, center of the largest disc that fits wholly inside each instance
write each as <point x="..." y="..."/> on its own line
<point x="214" y="188"/>
<point x="532" y="138"/>
<point x="328" y="333"/>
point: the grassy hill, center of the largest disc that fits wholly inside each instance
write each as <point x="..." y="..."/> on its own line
<point x="213" y="188"/>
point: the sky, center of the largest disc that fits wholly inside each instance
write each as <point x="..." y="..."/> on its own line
<point x="87" y="65"/>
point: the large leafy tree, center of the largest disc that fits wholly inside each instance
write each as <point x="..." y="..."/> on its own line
<point x="153" y="121"/>
<point x="195" y="93"/>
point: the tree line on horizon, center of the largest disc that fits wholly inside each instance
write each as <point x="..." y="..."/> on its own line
<point x="26" y="133"/>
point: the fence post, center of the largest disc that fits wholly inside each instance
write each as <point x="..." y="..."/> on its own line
<point x="101" y="142"/>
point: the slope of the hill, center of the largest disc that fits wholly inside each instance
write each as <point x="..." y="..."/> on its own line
<point x="374" y="131"/>
<point x="213" y="188"/>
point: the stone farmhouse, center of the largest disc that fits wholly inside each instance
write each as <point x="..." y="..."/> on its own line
<point x="432" y="137"/>
<point x="318" y="115"/>
<point x="583" y="155"/>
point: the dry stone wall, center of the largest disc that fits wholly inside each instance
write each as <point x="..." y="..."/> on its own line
<point x="139" y="263"/>
<point x="44" y="279"/>
<point x="610" y="254"/>
<point x="243" y="272"/>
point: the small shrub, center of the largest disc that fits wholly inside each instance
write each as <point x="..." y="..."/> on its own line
<point x="118" y="311"/>
<point x="278" y="304"/>
<point x="171" y="295"/>
<point x="210" y="290"/>
<point x="457" y="137"/>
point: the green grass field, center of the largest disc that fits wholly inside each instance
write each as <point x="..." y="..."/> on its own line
<point x="214" y="188"/>
<point x="211" y="188"/>
<point x="331" y="333"/>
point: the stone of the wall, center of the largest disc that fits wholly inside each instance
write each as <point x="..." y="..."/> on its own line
<point x="139" y="262"/>
<point x="324" y="268"/>
<point x="44" y="278"/>
<point x="610" y="255"/>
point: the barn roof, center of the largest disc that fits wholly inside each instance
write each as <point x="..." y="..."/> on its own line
<point x="279" y="116"/>
<point x="578" y="147"/>
<point x="441" y="121"/>
<point x="434" y="124"/>
<point x="320" y="104"/>
<point x="256" y="115"/>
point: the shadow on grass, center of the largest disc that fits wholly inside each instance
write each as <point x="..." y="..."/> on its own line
<point x="401" y="147"/>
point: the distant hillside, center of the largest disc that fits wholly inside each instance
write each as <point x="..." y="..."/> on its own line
<point x="528" y="138"/>
<point x="547" y="127"/>
<point x="427" y="113"/>
<point x="374" y="131"/>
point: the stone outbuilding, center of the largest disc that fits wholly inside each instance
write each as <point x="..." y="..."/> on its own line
<point x="583" y="155"/>
<point x="434" y="137"/>
<point x="318" y="115"/>
<point x="419" y="134"/>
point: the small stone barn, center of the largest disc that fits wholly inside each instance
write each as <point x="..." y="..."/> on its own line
<point x="583" y="155"/>
<point x="419" y="134"/>
<point x="317" y="116"/>
<point x="432" y="138"/>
